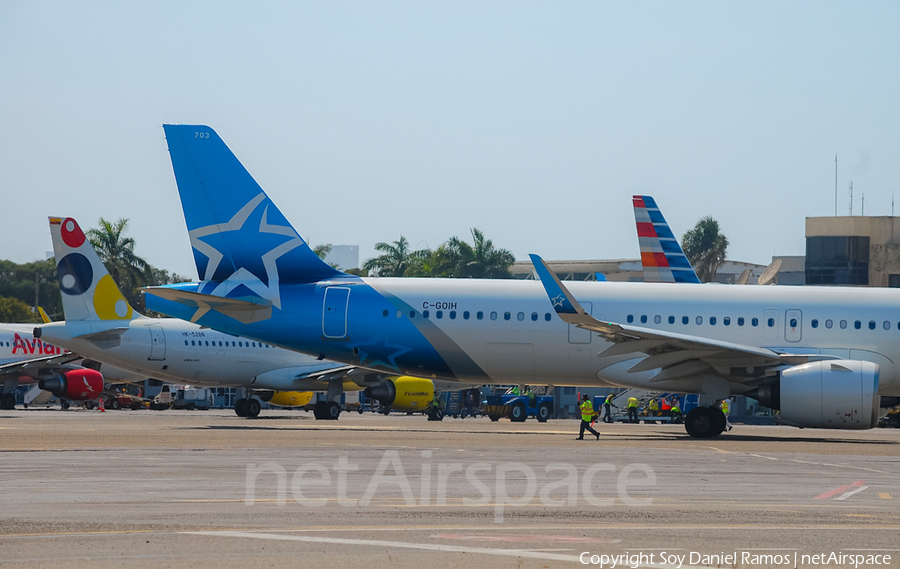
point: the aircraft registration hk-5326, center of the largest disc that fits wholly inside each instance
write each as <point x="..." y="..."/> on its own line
<point x="102" y="325"/>
<point x="825" y="357"/>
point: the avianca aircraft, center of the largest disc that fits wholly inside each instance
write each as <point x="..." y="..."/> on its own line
<point x="823" y="356"/>
<point x="102" y="325"/>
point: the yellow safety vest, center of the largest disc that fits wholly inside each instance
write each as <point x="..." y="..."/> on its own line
<point x="725" y="406"/>
<point x="654" y="405"/>
<point x="587" y="411"/>
<point x="609" y="399"/>
<point x="632" y="402"/>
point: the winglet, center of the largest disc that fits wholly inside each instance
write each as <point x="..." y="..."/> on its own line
<point x="663" y="258"/>
<point x="563" y="302"/>
<point x="44" y="318"/>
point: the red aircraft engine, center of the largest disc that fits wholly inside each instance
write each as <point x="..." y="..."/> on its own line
<point x="75" y="385"/>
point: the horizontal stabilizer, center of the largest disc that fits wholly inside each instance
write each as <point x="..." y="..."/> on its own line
<point x="244" y="311"/>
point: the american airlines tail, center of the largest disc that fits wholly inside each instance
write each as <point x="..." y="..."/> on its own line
<point x="243" y="245"/>
<point x="88" y="290"/>
<point x="663" y="258"/>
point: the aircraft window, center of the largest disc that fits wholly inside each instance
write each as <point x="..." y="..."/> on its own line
<point x="726" y="321"/>
<point x="493" y="315"/>
<point x="754" y="322"/>
<point x="412" y="314"/>
<point x="506" y="315"/>
<point x="547" y="318"/>
<point x="534" y="316"/>
<point x="439" y="314"/>
<point x="520" y="316"/>
<point x="220" y="343"/>
<point x="671" y="320"/>
<point x="466" y="315"/>
<point x="829" y="324"/>
<point x="185" y="343"/>
<point x="685" y="319"/>
<point x="857" y="324"/>
<point x="712" y="320"/>
<point x="871" y="324"/>
<point x="657" y="319"/>
<point x="207" y="342"/>
<point x="452" y="315"/>
<point x="887" y="325"/>
<point x="385" y="313"/>
<point x="643" y="319"/>
<point x="480" y="315"/>
<point x="740" y="321"/>
<point x="793" y="322"/>
<point x="843" y="324"/>
<point x="814" y="323"/>
<point x="630" y="318"/>
<point x="770" y="322"/>
<point x="699" y="320"/>
<point x="254" y="344"/>
<point x="425" y="314"/>
<point x="192" y="342"/>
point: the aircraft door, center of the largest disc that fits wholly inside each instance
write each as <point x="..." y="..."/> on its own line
<point x="580" y="335"/>
<point x="157" y="343"/>
<point x="793" y="322"/>
<point x="334" y="312"/>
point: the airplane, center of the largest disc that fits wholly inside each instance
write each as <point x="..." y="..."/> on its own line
<point x="822" y="356"/>
<point x="662" y="258"/>
<point x="26" y="360"/>
<point x="102" y="325"/>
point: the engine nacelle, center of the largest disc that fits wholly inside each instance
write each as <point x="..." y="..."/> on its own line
<point x="831" y="394"/>
<point x="75" y="385"/>
<point x="403" y="393"/>
<point x="286" y="398"/>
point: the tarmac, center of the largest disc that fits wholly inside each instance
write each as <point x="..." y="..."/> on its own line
<point x="209" y="489"/>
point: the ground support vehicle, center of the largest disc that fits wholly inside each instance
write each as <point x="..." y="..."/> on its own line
<point x="518" y="407"/>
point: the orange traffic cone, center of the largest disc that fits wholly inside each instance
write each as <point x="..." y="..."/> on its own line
<point x="102" y="406"/>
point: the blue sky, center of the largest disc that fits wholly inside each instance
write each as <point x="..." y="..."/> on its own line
<point x="533" y="121"/>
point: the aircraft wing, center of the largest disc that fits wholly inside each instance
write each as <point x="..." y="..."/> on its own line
<point x="676" y="355"/>
<point x="38" y="367"/>
<point x="244" y="311"/>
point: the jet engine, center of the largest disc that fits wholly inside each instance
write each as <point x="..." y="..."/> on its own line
<point x="834" y="394"/>
<point x="403" y="393"/>
<point x="286" y="398"/>
<point x="75" y="385"/>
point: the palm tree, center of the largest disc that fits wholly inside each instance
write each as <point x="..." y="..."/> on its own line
<point x="705" y="248"/>
<point x="456" y="258"/>
<point x="117" y="252"/>
<point x="396" y="259"/>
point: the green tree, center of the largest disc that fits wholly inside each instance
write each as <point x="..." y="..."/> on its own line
<point x="30" y="282"/>
<point x="396" y="260"/>
<point x="14" y="310"/>
<point x="481" y="260"/>
<point x="705" y="248"/>
<point x="116" y="251"/>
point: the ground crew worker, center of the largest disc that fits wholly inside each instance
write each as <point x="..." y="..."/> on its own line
<point x="675" y="411"/>
<point x="607" y="417"/>
<point x="654" y="407"/>
<point x="515" y="390"/>
<point x="530" y="395"/>
<point x="587" y="415"/>
<point x="632" y="409"/>
<point x="725" y="406"/>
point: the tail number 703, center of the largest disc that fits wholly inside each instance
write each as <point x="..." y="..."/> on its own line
<point x="198" y="134"/>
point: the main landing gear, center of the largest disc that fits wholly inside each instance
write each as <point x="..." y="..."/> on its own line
<point x="705" y="422"/>
<point x="327" y="410"/>
<point x="248" y="408"/>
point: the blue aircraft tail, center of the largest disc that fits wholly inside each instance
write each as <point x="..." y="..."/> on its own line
<point x="663" y="259"/>
<point x="243" y="245"/>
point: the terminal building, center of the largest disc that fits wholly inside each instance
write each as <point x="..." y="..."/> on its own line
<point x="853" y="251"/>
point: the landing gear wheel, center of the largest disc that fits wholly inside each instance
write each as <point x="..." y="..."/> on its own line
<point x="543" y="412"/>
<point x="704" y="422"/>
<point x="721" y="421"/>
<point x="518" y="413"/>
<point x="88" y="405"/>
<point x="240" y="407"/>
<point x="436" y="415"/>
<point x="8" y="401"/>
<point x="332" y="411"/>
<point x="252" y="409"/>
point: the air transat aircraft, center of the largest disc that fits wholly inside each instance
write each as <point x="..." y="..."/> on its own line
<point x="823" y="356"/>
<point x="102" y="325"/>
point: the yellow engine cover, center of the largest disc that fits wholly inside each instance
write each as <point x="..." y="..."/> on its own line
<point x="291" y="398"/>
<point x="413" y="393"/>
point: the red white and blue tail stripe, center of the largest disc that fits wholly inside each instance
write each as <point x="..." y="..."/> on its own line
<point x="661" y="255"/>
